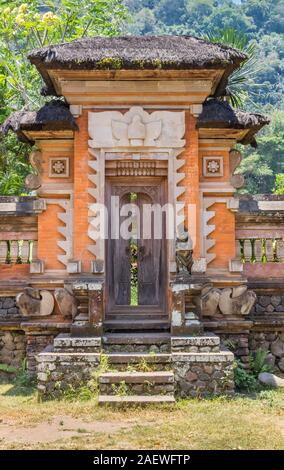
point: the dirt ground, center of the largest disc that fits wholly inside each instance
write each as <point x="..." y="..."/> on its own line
<point x="255" y="422"/>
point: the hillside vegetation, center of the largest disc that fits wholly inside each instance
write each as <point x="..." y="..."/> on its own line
<point x="263" y="23"/>
<point x="24" y="26"/>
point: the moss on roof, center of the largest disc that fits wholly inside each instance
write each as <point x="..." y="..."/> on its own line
<point x="54" y="115"/>
<point x="136" y="52"/>
<point x="219" y="114"/>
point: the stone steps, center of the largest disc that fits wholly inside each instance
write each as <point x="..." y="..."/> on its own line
<point x="196" y="344"/>
<point x="136" y="383"/>
<point x="66" y="343"/>
<point x="136" y="399"/>
<point x="137" y="342"/>
<point x="139" y="361"/>
<point x="137" y="316"/>
<point x="193" y="366"/>
<point x="136" y="325"/>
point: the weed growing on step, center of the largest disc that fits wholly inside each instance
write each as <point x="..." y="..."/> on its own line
<point x="121" y="389"/>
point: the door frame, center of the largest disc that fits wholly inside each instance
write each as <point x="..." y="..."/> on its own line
<point x="131" y="183"/>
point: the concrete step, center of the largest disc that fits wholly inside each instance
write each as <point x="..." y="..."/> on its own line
<point x="135" y="399"/>
<point x="137" y="342"/>
<point x="134" y="325"/>
<point x="137" y="377"/>
<point x="136" y="383"/>
<point x="140" y="361"/>
<point x="136" y="316"/>
<point x="64" y="342"/>
<point x="203" y="343"/>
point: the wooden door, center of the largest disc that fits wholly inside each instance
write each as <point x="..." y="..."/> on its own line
<point x="138" y="257"/>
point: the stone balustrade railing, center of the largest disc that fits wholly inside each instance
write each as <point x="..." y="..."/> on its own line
<point x="260" y="235"/>
<point x="17" y="251"/>
<point x="260" y="250"/>
<point x="18" y="229"/>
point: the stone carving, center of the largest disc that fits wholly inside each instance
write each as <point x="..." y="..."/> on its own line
<point x="184" y="254"/>
<point x="58" y="167"/>
<point x="229" y="301"/>
<point x="35" y="302"/>
<point x="67" y="302"/>
<point x="33" y="180"/>
<point x="210" y="297"/>
<point x="136" y="128"/>
<point x="237" y="181"/>
<point x="213" y="166"/>
<point x="136" y="133"/>
<point x="135" y="168"/>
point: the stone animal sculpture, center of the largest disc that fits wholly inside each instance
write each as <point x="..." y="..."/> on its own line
<point x="184" y="253"/>
<point x="35" y="302"/>
<point x="67" y="302"/>
<point x="229" y="301"/>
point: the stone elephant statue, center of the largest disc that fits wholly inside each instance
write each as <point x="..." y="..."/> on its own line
<point x="35" y="302"/>
<point x="67" y="302"/>
<point x="229" y="301"/>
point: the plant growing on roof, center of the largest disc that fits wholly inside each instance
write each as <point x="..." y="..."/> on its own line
<point x="242" y="79"/>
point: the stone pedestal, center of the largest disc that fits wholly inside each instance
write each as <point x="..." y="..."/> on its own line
<point x="185" y="305"/>
<point x="89" y="320"/>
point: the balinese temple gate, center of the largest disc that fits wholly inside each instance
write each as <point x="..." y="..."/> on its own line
<point x="139" y="121"/>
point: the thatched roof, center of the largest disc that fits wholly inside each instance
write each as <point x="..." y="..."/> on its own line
<point x="53" y="116"/>
<point x="218" y="114"/>
<point x="136" y="52"/>
<point x="56" y="116"/>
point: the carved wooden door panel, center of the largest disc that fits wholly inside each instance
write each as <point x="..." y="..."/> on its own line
<point x="149" y="253"/>
<point x="120" y="254"/>
<point x="149" y="258"/>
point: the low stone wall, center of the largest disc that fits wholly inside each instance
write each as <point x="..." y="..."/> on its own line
<point x="36" y="343"/>
<point x="12" y="348"/>
<point x="238" y="343"/>
<point x="200" y="375"/>
<point x="8" y="306"/>
<point x="267" y="304"/>
<point x="273" y="343"/>
<point x="58" y="372"/>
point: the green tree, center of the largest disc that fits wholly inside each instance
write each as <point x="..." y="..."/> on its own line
<point x="261" y="166"/>
<point x="26" y="26"/>
<point x="279" y="184"/>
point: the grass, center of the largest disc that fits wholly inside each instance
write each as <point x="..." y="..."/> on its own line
<point x="245" y="422"/>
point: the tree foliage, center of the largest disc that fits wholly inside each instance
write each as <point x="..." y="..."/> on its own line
<point x="26" y="26"/>
<point x="257" y="27"/>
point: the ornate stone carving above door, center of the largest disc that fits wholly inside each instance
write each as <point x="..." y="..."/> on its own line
<point x="136" y="128"/>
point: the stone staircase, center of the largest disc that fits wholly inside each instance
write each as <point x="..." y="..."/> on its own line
<point x="138" y="367"/>
<point x="142" y="361"/>
<point x="136" y="387"/>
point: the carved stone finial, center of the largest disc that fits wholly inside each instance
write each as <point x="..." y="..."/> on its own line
<point x="184" y="253"/>
<point x="237" y="181"/>
<point x="33" y="180"/>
